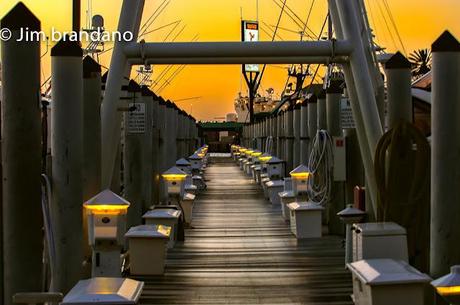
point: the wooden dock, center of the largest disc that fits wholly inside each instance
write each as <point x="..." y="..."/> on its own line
<point x="240" y="251"/>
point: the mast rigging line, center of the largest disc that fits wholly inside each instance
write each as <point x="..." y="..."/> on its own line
<point x="390" y="14"/>
<point x="161" y="27"/>
<point x="261" y="75"/>
<point x="158" y="11"/>
<point x="294" y="17"/>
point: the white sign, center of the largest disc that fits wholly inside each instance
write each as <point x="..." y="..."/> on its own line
<point x="346" y="115"/>
<point x="250" y="34"/>
<point x="135" y="122"/>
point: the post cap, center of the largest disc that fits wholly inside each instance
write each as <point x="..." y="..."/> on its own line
<point x="67" y="48"/>
<point x="90" y="67"/>
<point x="398" y="61"/>
<point x="133" y="86"/>
<point x="446" y="43"/>
<point x="20" y="17"/>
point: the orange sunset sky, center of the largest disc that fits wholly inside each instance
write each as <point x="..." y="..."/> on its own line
<point x="419" y="22"/>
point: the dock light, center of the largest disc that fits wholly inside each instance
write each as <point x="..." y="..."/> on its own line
<point x="184" y="165"/>
<point x="300" y="176"/>
<point x="350" y="216"/>
<point x="196" y="161"/>
<point x="264" y="158"/>
<point x="175" y="180"/>
<point x="448" y="286"/>
<point x="106" y="228"/>
<point x="275" y="168"/>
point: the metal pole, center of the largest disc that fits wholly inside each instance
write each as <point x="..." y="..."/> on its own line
<point x="116" y="183"/>
<point x="91" y="128"/>
<point x="322" y="111"/>
<point x="21" y="157"/>
<point x="337" y="203"/>
<point x="398" y="72"/>
<point x="131" y="12"/>
<point x="76" y="15"/>
<point x="366" y="151"/>
<point x="235" y="51"/>
<point x="297" y="127"/>
<point x="360" y="69"/>
<point x="163" y="152"/>
<point x="445" y="166"/>
<point x="279" y="130"/>
<point x="312" y="121"/>
<point x="289" y="142"/>
<point x="134" y="141"/>
<point x="155" y="149"/>
<point x="67" y="161"/>
<point x="91" y="142"/>
<point x="304" y="133"/>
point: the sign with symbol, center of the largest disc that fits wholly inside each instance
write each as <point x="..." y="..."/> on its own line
<point x="135" y="118"/>
<point x="346" y="115"/>
<point x="250" y="33"/>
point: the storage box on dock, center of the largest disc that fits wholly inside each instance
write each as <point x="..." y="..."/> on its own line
<point x="306" y="219"/>
<point x="147" y="249"/>
<point x="387" y="282"/>
<point x="167" y="217"/>
<point x="106" y="291"/>
<point x="379" y="240"/>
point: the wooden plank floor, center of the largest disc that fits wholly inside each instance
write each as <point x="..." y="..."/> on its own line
<point x="240" y="251"/>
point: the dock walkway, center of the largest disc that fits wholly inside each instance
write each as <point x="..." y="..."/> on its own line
<point x="240" y="251"/>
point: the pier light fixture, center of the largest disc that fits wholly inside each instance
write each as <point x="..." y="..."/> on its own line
<point x="264" y="158"/>
<point x="197" y="161"/>
<point x="448" y="286"/>
<point x="106" y="228"/>
<point x="350" y="216"/>
<point x="275" y="168"/>
<point x="300" y="176"/>
<point x="184" y="165"/>
<point x="175" y="180"/>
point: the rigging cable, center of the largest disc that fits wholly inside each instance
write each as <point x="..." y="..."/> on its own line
<point x="390" y="14"/>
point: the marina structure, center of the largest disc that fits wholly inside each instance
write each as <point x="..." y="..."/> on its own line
<point x="342" y="191"/>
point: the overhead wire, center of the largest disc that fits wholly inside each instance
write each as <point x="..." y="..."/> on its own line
<point x="393" y="22"/>
<point x="258" y="81"/>
<point x="382" y="13"/>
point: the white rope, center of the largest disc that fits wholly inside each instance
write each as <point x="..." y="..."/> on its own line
<point x="321" y="165"/>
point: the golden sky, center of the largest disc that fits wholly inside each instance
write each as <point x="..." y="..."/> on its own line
<point x="419" y="22"/>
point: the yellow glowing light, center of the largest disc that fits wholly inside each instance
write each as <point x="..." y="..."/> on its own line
<point x="265" y="159"/>
<point x="249" y="152"/>
<point x="446" y="291"/>
<point x="165" y="230"/>
<point x="256" y="154"/>
<point x="106" y="209"/>
<point x="243" y="150"/>
<point x="174" y="177"/>
<point x="305" y="175"/>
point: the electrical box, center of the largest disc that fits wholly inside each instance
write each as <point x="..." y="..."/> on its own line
<point x="340" y="158"/>
<point x="305" y="219"/>
<point x="387" y="281"/>
<point x="105" y="290"/>
<point x="147" y="249"/>
<point x="275" y="168"/>
<point x="379" y="240"/>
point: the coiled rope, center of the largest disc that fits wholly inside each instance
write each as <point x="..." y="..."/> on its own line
<point x="402" y="170"/>
<point x="321" y="164"/>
